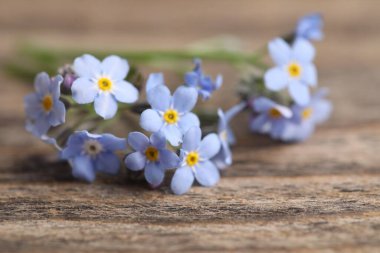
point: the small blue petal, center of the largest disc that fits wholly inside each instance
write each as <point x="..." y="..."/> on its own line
<point x="172" y="134"/>
<point x="135" y="161"/>
<point x="303" y="51"/>
<point x="207" y="174"/>
<point x="309" y="75"/>
<point x="107" y="163"/>
<point x="112" y="143"/>
<point x="154" y="80"/>
<point x="188" y="121"/>
<point x="168" y="159"/>
<point x="159" y="98"/>
<point x="87" y="66"/>
<point x="151" y="121"/>
<point x="259" y="124"/>
<point x="158" y="140"/>
<point x="192" y="139"/>
<point x="182" y="180"/>
<point x="105" y="105"/>
<point x="276" y="79"/>
<point x="209" y="146"/>
<point x="263" y="104"/>
<point x="280" y="51"/>
<point x="191" y="79"/>
<point x="154" y="174"/>
<point x="57" y="115"/>
<point x="125" y="92"/>
<point x="299" y="92"/>
<point x="42" y="84"/>
<point x="184" y="99"/>
<point x="115" y="67"/>
<point x="74" y="145"/>
<point x="84" y="91"/>
<point x="138" y="141"/>
<point x="83" y="168"/>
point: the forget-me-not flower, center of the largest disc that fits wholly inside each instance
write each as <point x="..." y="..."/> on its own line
<point x="195" y="161"/>
<point x="102" y="83"/>
<point x="203" y="83"/>
<point x="91" y="153"/>
<point x="305" y="118"/>
<point x="271" y="118"/>
<point x="295" y="69"/>
<point x="43" y="108"/>
<point x="152" y="155"/>
<point x="310" y="27"/>
<point x="226" y="136"/>
<point x="170" y="114"/>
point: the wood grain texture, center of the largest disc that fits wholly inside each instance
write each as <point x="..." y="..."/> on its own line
<point x="319" y="196"/>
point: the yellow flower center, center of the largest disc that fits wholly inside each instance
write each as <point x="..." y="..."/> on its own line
<point x="294" y="70"/>
<point x="192" y="158"/>
<point x="306" y="113"/>
<point x="92" y="147"/>
<point x="104" y="84"/>
<point x="274" y="113"/>
<point x="47" y="103"/>
<point x="171" y="116"/>
<point x="152" y="154"/>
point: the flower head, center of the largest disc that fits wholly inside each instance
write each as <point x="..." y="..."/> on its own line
<point x="43" y="108"/>
<point x="170" y="114"/>
<point x="152" y="155"/>
<point x="195" y="161"/>
<point x="310" y="27"/>
<point x="294" y="69"/>
<point x="305" y="118"/>
<point x="226" y="136"/>
<point x="203" y="83"/>
<point x="271" y="118"/>
<point x="102" y="83"/>
<point x="92" y="153"/>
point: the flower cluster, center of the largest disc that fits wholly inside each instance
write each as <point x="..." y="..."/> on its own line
<point x="175" y="141"/>
<point x="172" y="137"/>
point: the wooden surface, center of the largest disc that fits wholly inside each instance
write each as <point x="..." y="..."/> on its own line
<point x="319" y="196"/>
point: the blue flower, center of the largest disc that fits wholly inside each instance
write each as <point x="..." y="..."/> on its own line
<point x="195" y="161"/>
<point x="305" y="118"/>
<point x="151" y="155"/>
<point x="294" y="69"/>
<point x="310" y="27"/>
<point x="170" y="114"/>
<point x="226" y="136"/>
<point x="271" y="118"/>
<point x="43" y="108"/>
<point x="91" y="153"/>
<point x="102" y="83"/>
<point x="204" y="84"/>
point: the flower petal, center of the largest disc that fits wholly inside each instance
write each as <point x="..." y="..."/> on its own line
<point x="112" y="143"/>
<point x="224" y="158"/>
<point x="188" y="121"/>
<point x="280" y="51"/>
<point x="321" y="110"/>
<point x="154" y="174"/>
<point x="263" y="104"/>
<point x="32" y="104"/>
<point x="158" y="140"/>
<point x="42" y="83"/>
<point x="115" y="67"/>
<point x="135" y="161"/>
<point x="74" y="145"/>
<point x="276" y="79"/>
<point x="191" y="79"/>
<point x="107" y="163"/>
<point x="57" y="115"/>
<point x="168" y="159"/>
<point x="192" y="139"/>
<point x="209" y="147"/>
<point x="125" y="92"/>
<point x="84" y="91"/>
<point x="299" y="92"/>
<point x="172" y="134"/>
<point x="159" y="98"/>
<point x="277" y="129"/>
<point x="151" y="121"/>
<point x="259" y="123"/>
<point x="309" y="74"/>
<point x="207" y="174"/>
<point x="138" y="141"/>
<point x="83" y="168"/>
<point x="154" y="79"/>
<point x="105" y="105"/>
<point x="303" y="50"/>
<point x="87" y="66"/>
<point x="182" y="180"/>
<point x="184" y="99"/>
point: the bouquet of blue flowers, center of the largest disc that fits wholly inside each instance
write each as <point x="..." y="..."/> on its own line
<point x="71" y="110"/>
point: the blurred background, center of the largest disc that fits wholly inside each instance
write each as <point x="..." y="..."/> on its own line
<point x="347" y="59"/>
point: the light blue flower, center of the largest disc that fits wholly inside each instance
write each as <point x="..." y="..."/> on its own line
<point x="310" y="27"/>
<point x="43" y="108"/>
<point x="226" y="136"/>
<point x="170" y="114"/>
<point x="195" y="161"/>
<point x="203" y="83"/>
<point x="271" y="118"/>
<point x="102" y="83"/>
<point x="151" y="155"/>
<point x="91" y="153"/>
<point x="294" y="69"/>
<point x="305" y="118"/>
